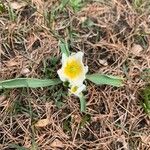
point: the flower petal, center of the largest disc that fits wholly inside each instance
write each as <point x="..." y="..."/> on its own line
<point x="78" y="56"/>
<point x="86" y="68"/>
<point x="64" y="58"/>
<point x="61" y="75"/>
<point x="78" y="90"/>
<point x="78" y="81"/>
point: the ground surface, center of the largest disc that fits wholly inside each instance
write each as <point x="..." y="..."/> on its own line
<point x="114" y="36"/>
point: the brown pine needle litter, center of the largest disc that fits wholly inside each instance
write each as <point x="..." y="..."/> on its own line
<point x="115" y="38"/>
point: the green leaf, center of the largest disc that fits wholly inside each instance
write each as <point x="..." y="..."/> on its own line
<point x="17" y="147"/>
<point x="82" y="103"/>
<point x="63" y="3"/>
<point x="100" y="79"/>
<point x="64" y="47"/>
<point x="28" y="82"/>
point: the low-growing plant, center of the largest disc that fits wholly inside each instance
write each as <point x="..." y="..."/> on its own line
<point x="73" y="72"/>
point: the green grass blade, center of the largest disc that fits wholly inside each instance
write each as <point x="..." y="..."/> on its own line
<point x="100" y="79"/>
<point x="63" y="4"/>
<point x="12" y="15"/>
<point x="64" y="47"/>
<point x="28" y="82"/>
<point x="17" y="147"/>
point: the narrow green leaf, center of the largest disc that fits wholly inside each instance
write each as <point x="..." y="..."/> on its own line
<point x="17" y="147"/>
<point x="63" y="3"/>
<point x="100" y="79"/>
<point x="12" y="15"/>
<point x="82" y="103"/>
<point x="64" y="47"/>
<point x="28" y="82"/>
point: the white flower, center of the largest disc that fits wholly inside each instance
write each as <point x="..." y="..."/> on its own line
<point x="77" y="90"/>
<point x="73" y="69"/>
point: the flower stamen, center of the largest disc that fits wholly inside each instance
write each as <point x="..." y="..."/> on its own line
<point x="73" y="68"/>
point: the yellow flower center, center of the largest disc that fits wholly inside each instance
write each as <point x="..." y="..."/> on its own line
<point x="74" y="89"/>
<point x="73" y="68"/>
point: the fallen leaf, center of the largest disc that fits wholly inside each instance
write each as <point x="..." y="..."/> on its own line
<point x="57" y="143"/>
<point x="12" y="63"/>
<point x="42" y="123"/>
<point x="17" y="5"/>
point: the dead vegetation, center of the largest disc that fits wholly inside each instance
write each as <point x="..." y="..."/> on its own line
<point x="114" y="35"/>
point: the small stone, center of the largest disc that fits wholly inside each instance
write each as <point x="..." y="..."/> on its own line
<point x="25" y="71"/>
<point x="136" y="49"/>
<point x="42" y="123"/>
<point x="83" y="19"/>
<point x="57" y="143"/>
<point x="103" y="62"/>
